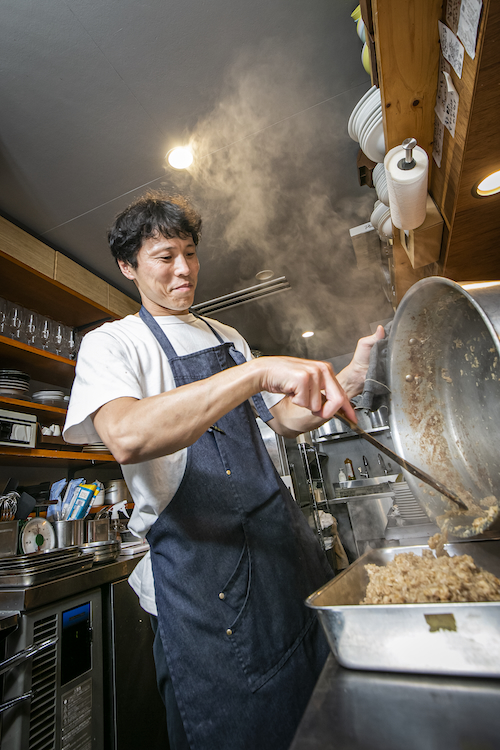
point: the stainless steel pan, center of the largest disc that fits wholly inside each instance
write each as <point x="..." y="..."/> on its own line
<point x="444" y="376"/>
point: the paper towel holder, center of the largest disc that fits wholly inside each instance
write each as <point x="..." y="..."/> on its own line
<point x="408" y="162"/>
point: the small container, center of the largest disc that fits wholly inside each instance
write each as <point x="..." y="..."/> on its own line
<point x="116" y="492"/>
<point x="70" y="533"/>
<point x="98" y="530"/>
<point x="9" y="532"/>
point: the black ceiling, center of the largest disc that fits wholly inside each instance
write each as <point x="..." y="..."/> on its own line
<point x="95" y="93"/>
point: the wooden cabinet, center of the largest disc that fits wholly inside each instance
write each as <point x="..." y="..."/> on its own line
<point x="38" y="278"/>
<point x="407" y="59"/>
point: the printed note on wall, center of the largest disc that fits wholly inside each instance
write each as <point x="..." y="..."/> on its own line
<point x="447" y="100"/>
<point x="453" y="14"/>
<point x="437" y="142"/>
<point x="451" y="48"/>
<point x="470" y="13"/>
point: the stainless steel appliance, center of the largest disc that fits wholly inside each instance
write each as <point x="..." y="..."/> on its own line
<point x="17" y="429"/>
<point x="53" y="685"/>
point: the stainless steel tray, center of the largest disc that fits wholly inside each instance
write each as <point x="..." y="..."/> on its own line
<point x="102" y="551"/>
<point x="39" y="559"/>
<point x="46" y="573"/>
<point x="437" y="638"/>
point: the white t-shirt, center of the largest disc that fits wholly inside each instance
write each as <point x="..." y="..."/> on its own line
<point x="123" y="358"/>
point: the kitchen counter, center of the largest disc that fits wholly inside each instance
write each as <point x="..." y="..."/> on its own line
<point x="360" y="710"/>
<point x="32" y="597"/>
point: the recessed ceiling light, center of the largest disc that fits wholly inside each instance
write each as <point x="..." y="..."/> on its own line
<point x="180" y="157"/>
<point x="489" y="186"/>
<point x="307" y="334"/>
<point x="264" y="275"/>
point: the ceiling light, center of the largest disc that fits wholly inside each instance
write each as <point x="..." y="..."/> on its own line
<point x="489" y="186"/>
<point x="264" y="275"/>
<point x="180" y="157"/>
<point x="307" y="334"/>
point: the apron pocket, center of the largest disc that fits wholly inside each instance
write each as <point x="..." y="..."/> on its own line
<point x="235" y="592"/>
<point x="269" y="625"/>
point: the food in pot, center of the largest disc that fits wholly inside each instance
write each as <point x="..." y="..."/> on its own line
<point x="409" y="579"/>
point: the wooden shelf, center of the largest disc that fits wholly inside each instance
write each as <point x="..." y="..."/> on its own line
<point x="13" y="456"/>
<point x="37" y="292"/>
<point x="39" y="364"/>
<point x="54" y="414"/>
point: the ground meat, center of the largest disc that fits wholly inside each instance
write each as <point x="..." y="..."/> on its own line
<point x="409" y="578"/>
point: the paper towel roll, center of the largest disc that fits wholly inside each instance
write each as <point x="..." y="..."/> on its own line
<point x="407" y="187"/>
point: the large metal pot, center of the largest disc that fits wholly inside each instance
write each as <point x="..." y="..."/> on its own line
<point x="443" y="372"/>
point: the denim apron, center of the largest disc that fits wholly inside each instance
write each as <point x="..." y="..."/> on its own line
<point x="233" y="561"/>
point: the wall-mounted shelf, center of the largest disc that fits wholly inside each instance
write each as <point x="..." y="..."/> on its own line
<point x="39" y="364"/>
<point x="52" y="414"/>
<point x="13" y="456"/>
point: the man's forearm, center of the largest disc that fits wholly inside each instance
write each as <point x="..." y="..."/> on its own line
<point x="137" y="430"/>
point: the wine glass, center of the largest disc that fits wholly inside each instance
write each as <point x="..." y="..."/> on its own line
<point x="45" y="333"/>
<point x="3" y="316"/>
<point x="16" y="321"/>
<point x="57" y="338"/>
<point x="31" y="328"/>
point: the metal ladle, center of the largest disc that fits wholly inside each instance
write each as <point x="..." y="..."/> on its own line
<point x="404" y="463"/>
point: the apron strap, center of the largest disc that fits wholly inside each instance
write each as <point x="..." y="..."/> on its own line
<point x="170" y="352"/>
<point x="157" y="332"/>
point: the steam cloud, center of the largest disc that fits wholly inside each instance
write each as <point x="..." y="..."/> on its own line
<point x="275" y="177"/>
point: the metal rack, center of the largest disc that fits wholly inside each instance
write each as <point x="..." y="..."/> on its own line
<point x="311" y="460"/>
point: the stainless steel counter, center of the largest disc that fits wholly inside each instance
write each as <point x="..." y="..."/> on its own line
<point x="359" y="710"/>
<point x="25" y="599"/>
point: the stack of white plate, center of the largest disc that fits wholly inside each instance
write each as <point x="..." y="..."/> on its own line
<point x="381" y="220"/>
<point x="95" y="448"/>
<point x="380" y="183"/>
<point x="366" y="125"/>
<point x="14" y="384"/>
<point x="50" y="398"/>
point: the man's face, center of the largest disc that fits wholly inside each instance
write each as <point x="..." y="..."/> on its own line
<point x="166" y="274"/>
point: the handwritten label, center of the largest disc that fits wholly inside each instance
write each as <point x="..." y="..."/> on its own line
<point x="447" y="100"/>
<point x="453" y="14"/>
<point x="437" y="142"/>
<point x="470" y="13"/>
<point x="451" y="48"/>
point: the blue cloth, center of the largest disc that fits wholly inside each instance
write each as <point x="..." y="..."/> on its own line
<point x="233" y="561"/>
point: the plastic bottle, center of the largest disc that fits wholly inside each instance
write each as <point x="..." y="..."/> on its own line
<point x="349" y="469"/>
<point x="342" y="476"/>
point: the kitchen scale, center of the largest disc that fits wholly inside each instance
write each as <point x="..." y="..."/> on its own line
<point x="37" y="535"/>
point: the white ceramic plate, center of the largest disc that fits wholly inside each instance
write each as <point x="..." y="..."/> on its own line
<point x="363" y="115"/>
<point x="374" y="142"/>
<point x="354" y="113"/>
<point x="370" y="122"/>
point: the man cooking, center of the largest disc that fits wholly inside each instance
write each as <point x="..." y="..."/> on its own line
<point x="232" y="558"/>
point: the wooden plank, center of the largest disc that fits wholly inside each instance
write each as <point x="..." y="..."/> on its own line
<point x="27" y="249"/>
<point x="120" y="304"/>
<point x="473" y="245"/>
<point x="84" y="282"/>
<point x="407" y="45"/>
<point x="35" y="291"/>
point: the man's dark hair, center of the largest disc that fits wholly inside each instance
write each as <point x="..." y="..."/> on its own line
<point x="152" y="215"/>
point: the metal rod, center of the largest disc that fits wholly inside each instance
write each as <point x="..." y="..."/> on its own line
<point x="404" y="463"/>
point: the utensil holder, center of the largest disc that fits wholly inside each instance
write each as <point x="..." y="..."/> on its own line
<point x="9" y="531"/>
<point x="69" y="533"/>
